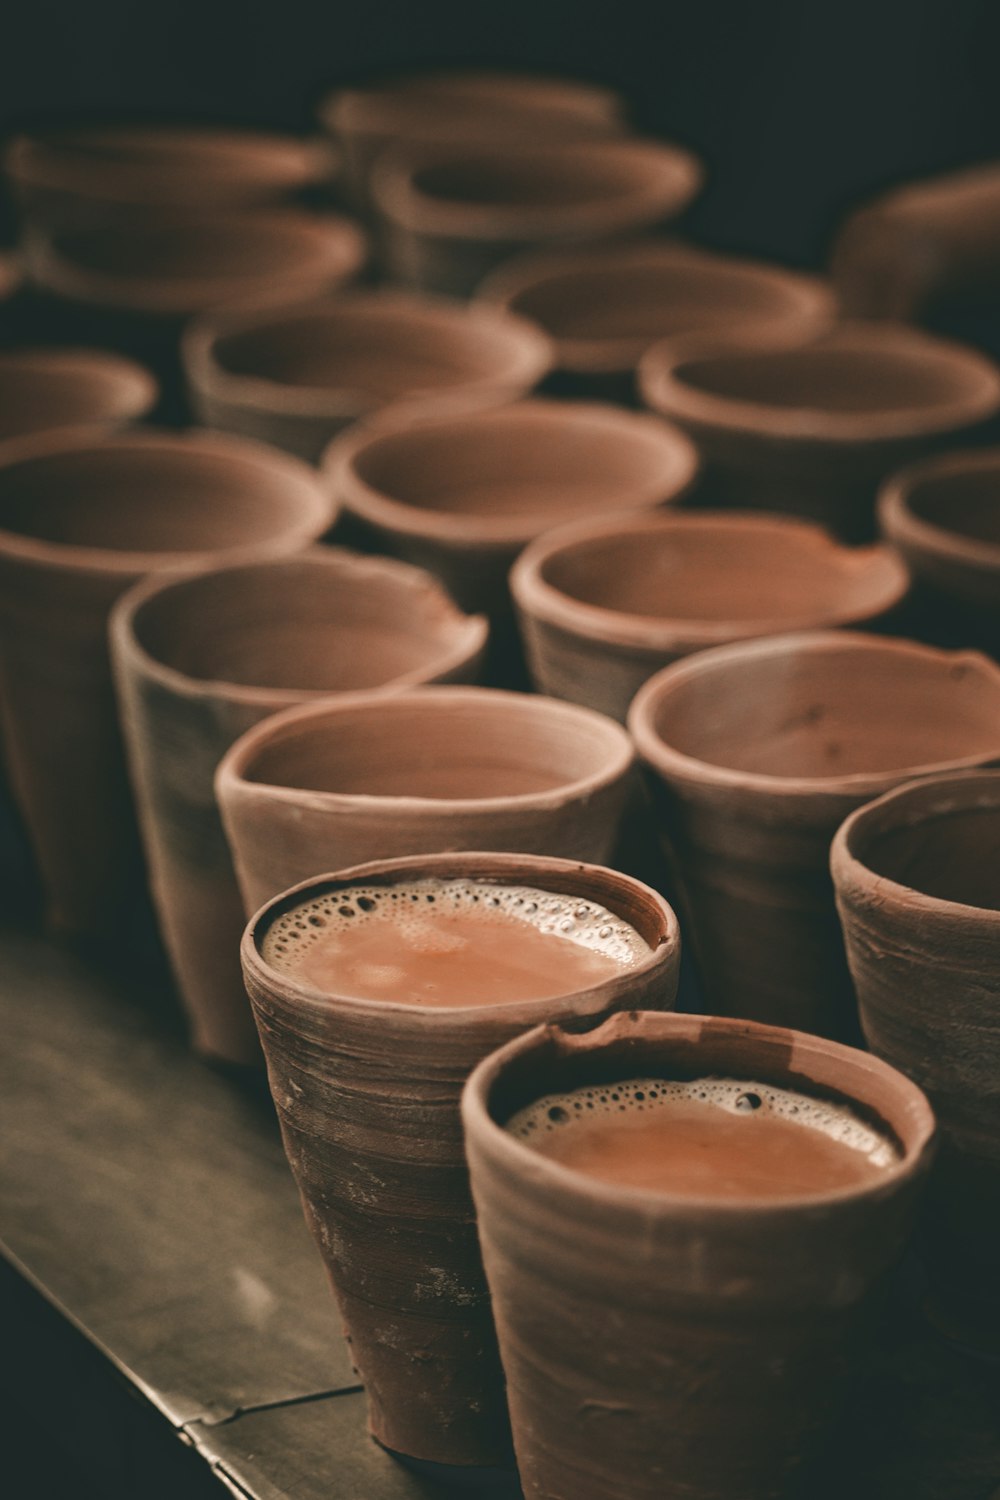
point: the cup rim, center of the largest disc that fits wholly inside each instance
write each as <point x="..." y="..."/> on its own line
<point x="359" y="110"/>
<point x="903" y="528"/>
<point x="671" y="762"/>
<point x="547" y="1174"/>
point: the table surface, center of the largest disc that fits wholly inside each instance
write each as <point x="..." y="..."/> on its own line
<point x="151" y="1224"/>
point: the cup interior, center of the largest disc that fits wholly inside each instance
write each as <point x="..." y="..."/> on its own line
<point x="932" y="843"/>
<point x="963" y="502"/>
<point x="530" y="181"/>
<point x="234" y="247"/>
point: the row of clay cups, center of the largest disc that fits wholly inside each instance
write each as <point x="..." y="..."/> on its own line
<point x="594" y="1292"/>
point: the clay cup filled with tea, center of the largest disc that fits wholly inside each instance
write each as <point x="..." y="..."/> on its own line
<point x="918" y="889"/>
<point x="82" y="517"/>
<point x="756" y="753"/>
<point x="433" y="768"/>
<point x="376" y="991"/>
<point x="813" y="426"/>
<point x="198" y="660"/>
<point x="603" y="605"/>
<point x="684" y="1223"/>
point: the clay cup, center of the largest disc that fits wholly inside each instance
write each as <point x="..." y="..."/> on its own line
<point x="41" y="389"/>
<point x="368" y="1095"/>
<point x="757" y="752"/>
<point x="662" y="1346"/>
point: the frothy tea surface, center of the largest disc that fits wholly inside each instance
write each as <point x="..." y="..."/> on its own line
<point x="451" y="943"/>
<point x="711" y="1138"/>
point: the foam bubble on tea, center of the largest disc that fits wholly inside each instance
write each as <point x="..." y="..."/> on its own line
<point x="451" y="943"/>
<point x="713" y="1138"/>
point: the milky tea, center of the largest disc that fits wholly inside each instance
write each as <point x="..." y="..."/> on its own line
<point x="451" y="943"/>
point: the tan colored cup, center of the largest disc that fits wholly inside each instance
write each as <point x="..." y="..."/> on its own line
<point x="367" y="1093"/>
<point x="662" y="1347"/>
<point x="757" y="753"/>
<point x="451" y="214"/>
<point x="813" y="426"/>
<point x="41" y="389"/>
<point x="356" y="779"/>
<point x="296" y="376"/>
<point x="918" y="892"/>
<point x="602" y="605"/>
<point x="82" y="516"/>
<point x="198" y="660"/>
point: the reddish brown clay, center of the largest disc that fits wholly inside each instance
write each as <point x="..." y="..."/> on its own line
<point x="42" y="389"/>
<point x="451" y="214"/>
<point x="463" y="495"/>
<point x="200" y="659"/>
<point x="943" y="515"/>
<point x="812" y="427"/>
<point x="368" y="1097"/>
<point x="918" y="888"/>
<point x="100" y="177"/>
<point x="662" y="1347"/>
<point x="921" y="245"/>
<point x="758" y="751"/>
<point x="604" y="307"/>
<point x="297" y="376"/>
<point x="82" y="516"/>
<point x="463" y="106"/>
<point x="602" y="605"/>
<point x="439" y="768"/>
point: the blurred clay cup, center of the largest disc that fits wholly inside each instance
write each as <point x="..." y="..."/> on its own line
<point x="200" y="658"/>
<point x="296" y="376"/>
<point x="756" y="753"/>
<point x="360" y="778"/>
<point x="461" y="106"/>
<point x="83" y="515"/>
<point x="943" y="516"/>
<point x="367" y="1093"/>
<point x="41" y="389"/>
<point x="604" y="306"/>
<point x="451" y="214"/>
<point x="712" y="1342"/>
<point x="812" y="426"/>
<point x="917" y="875"/>
<point x="602" y="605"/>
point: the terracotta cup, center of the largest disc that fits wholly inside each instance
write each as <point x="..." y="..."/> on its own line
<point x="465" y="106"/>
<point x="918" y="891"/>
<point x="102" y="176"/>
<point x="11" y="285"/>
<point x="296" y="376"/>
<point x="943" y="516"/>
<point x="604" y="306"/>
<point x="660" y="1346"/>
<point x="462" y="495"/>
<point x="602" y="605"/>
<point x="368" y="1095"/>
<point x="198" y="660"/>
<point x="437" y="768"/>
<point x="451" y="214"/>
<point x="42" y="389"/>
<point x="82" y="516"/>
<point x="757" y="753"/>
<point x="812" y="427"/>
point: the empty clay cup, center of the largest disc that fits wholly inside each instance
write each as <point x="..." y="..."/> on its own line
<point x="201" y="658"/>
<point x="602" y="605"/>
<point x="297" y="376"/>
<point x="814" y="427"/>
<point x="757" y="753"/>
<point x="42" y="389"/>
<point x="460" y="106"/>
<point x="451" y="214"/>
<point x="11" y="282"/>
<point x="665" y="1346"/>
<point x="102" y="176"/>
<point x="943" y="516"/>
<point x="918" y="889"/>
<point x="82" y="516"/>
<point x="604" y="307"/>
<point x="367" y="1092"/>
<point x="463" y="495"/>
<point x="358" y="778"/>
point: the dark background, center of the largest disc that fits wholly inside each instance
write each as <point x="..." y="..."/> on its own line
<point x="800" y="108"/>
